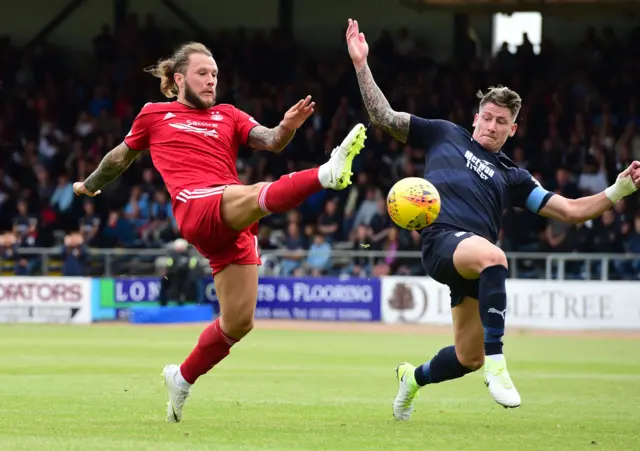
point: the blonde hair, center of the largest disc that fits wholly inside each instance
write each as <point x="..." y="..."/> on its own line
<point x="165" y="69"/>
<point x="503" y="97"/>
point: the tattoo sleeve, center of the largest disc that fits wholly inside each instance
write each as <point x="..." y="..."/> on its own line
<point x="273" y="139"/>
<point x="379" y="109"/>
<point x="112" y="165"/>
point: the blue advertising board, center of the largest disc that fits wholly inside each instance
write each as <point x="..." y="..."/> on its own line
<point x="142" y="289"/>
<point x="306" y="298"/>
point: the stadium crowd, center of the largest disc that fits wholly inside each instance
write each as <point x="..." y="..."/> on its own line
<point x="59" y="115"/>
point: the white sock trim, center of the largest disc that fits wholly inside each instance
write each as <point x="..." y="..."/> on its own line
<point x="324" y="175"/>
<point x="181" y="381"/>
<point x="262" y="198"/>
<point x="496" y="357"/>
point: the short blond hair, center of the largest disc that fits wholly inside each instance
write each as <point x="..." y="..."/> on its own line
<point x="503" y="97"/>
<point x="165" y="69"/>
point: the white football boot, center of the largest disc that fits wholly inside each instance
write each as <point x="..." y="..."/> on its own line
<point x="177" y="394"/>
<point x="407" y="392"/>
<point x="336" y="173"/>
<point x="498" y="380"/>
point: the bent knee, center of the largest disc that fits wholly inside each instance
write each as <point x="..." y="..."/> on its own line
<point x="241" y="205"/>
<point x="471" y="361"/>
<point x="493" y="257"/>
<point x="238" y="326"/>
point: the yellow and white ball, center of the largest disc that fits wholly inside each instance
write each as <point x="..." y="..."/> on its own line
<point x="413" y="203"/>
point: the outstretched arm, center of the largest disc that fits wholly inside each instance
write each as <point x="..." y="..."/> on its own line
<point x="276" y="139"/>
<point x="378" y="107"/>
<point x="576" y="211"/>
<point x="112" y="165"/>
<point x="380" y="111"/>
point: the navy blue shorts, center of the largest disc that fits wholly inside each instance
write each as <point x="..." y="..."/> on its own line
<point x="438" y="245"/>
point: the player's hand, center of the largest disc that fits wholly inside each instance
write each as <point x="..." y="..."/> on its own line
<point x="298" y="113"/>
<point x="357" y="44"/>
<point x="80" y="190"/>
<point x="634" y="172"/>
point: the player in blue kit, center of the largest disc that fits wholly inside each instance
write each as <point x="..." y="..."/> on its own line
<point x="476" y="182"/>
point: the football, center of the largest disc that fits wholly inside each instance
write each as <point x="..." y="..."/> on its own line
<point x="413" y="203"/>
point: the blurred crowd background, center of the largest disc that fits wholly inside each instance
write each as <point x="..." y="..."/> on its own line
<point x="579" y="127"/>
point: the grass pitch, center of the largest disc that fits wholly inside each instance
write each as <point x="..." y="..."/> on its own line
<point x="99" y="388"/>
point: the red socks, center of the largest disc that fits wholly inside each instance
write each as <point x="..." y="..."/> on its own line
<point x="289" y="191"/>
<point x="280" y="196"/>
<point x="213" y="346"/>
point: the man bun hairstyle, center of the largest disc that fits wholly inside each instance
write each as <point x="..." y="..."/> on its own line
<point x="165" y="69"/>
<point x="502" y="97"/>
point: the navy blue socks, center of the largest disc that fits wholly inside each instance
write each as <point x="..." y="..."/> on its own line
<point x="492" y="300"/>
<point x="442" y="367"/>
<point x="493" y="307"/>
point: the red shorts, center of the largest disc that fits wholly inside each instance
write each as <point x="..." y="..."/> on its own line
<point x="197" y="213"/>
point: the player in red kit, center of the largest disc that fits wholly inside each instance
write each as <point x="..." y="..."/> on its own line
<point x="194" y="145"/>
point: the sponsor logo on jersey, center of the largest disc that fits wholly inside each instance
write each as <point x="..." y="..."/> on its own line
<point x="194" y="129"/>
<point x="480" y="167"/>
<point x="202" y="124"/>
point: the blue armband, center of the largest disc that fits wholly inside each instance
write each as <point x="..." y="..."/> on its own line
<point x="538" y="199"/>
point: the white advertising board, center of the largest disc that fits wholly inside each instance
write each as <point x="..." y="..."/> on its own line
<point x="539" y="304"/>
<point x="45" y="300"/>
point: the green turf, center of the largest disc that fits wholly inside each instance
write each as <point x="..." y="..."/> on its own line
<point x="99" y="388"/>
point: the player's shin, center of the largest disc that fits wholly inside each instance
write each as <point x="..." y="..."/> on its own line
<point x="213" y="346"/>
<point x="289" y="191"/>
<point x="442" y="367"/>
<point x="493" y="308"/>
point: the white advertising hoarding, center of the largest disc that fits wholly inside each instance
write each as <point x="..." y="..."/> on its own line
<point x="45" y="300"/>
<point x="539" y="304"/>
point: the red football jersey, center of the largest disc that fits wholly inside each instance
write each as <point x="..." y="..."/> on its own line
<point x="191" y="148"/>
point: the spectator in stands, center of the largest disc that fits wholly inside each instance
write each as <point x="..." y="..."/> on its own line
<point x="159" y="227"/>
<point x="148" y="185"/>
<point x="329" y="221"/>
<point x="75" y="255"/>
<point x="12" y="255"/>
<point x="368" y="207"/>
<point x="623" y="219"/>
<point x="90" y="224"/>
<point x="594" y="175"/>
<point x="607" y="239"/>
<point x="294" y="242"/>
<point x="564" y="186"/>
<point x="25" y="225"/>
<point x="319" y="256"/>
<point x="62" y="200"/>
<point x="380" y="224"/>
<point x="137" y="210"/>
<point x="352" y="197"/>
<point x="390" y="244"/>
<point x="118" y="231"/>
<point x="361" y="242"/>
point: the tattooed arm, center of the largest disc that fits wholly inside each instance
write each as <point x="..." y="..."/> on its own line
<point x="112" y="165"/>
<point x="380" y="112"/>
<point x="271" y="139"/>
<point x="378" y="107"/>
<point x="276" y="139"/>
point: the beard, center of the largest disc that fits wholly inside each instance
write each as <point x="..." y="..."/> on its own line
<point x="195" y="100"/>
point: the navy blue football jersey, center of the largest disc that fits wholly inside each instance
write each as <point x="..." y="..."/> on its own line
<point x="475" y="185"/>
